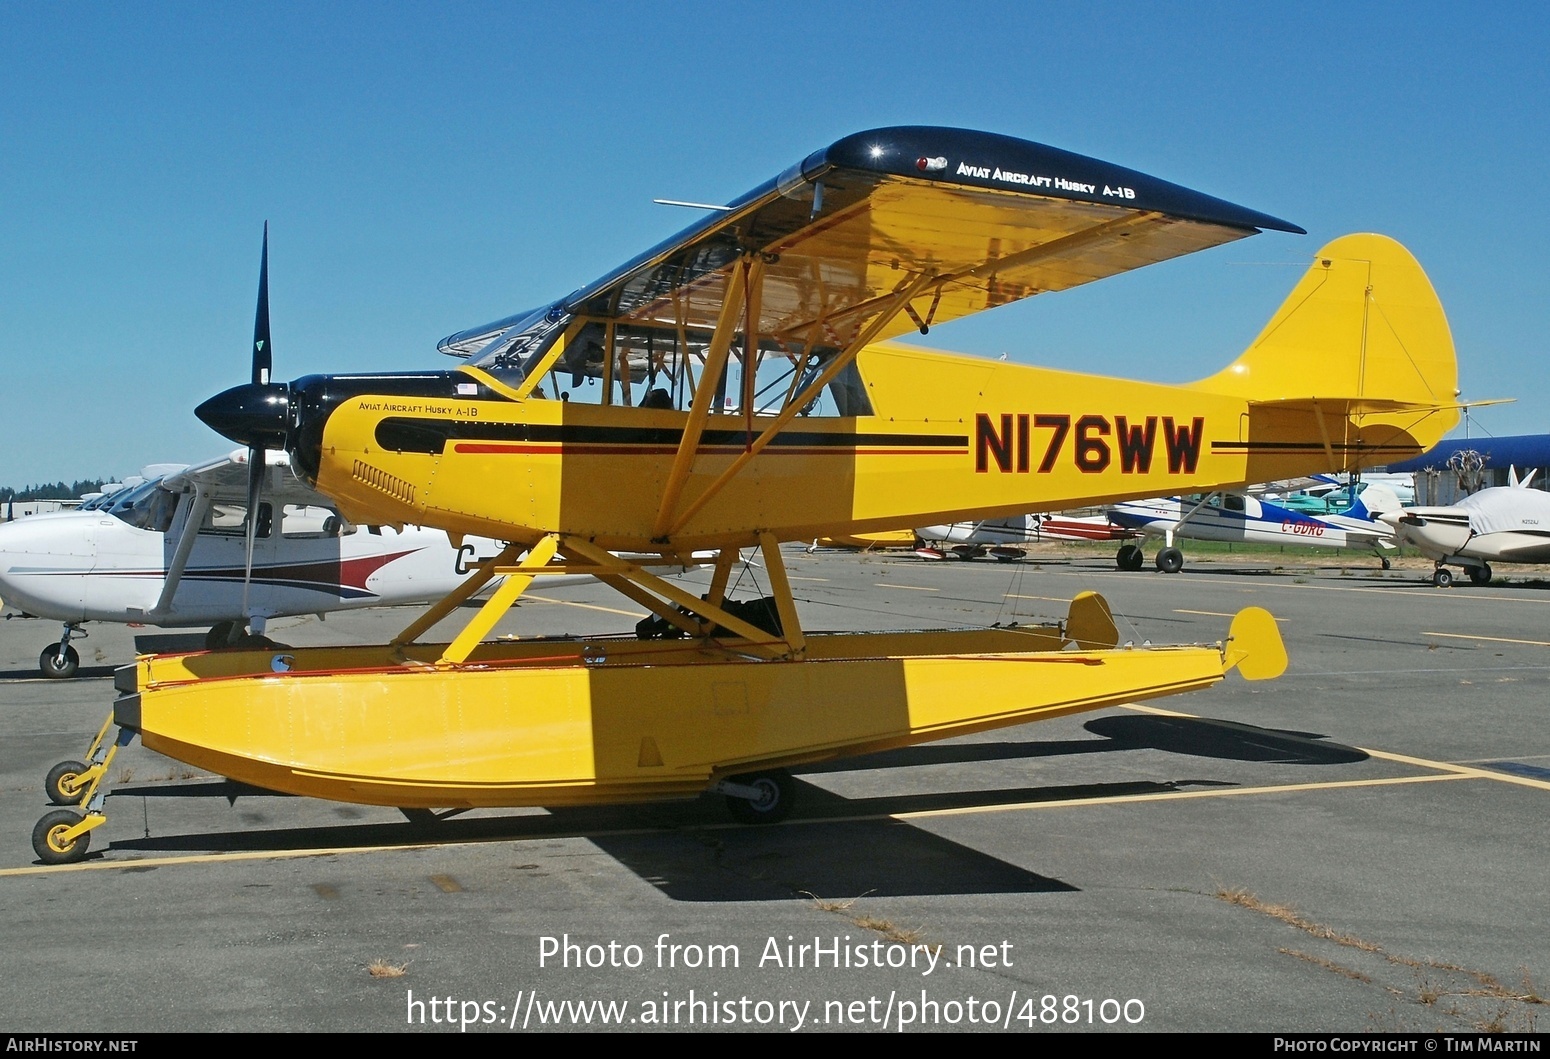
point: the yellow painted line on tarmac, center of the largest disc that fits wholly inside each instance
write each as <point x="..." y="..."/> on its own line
<point x="1212" y="613"/>
<point x="1412" y="593"/>
<point x="142" y="863"/>
<point x="1442" y="771"/>
<point x="1455" y="771"/>
<point x="1047" y="599"/>
<point x="1460" y="770"/>
<point x="1169" y="796"/>
<point x="1492" y="639"/>
<point x="583" y="606"/>
<point x="912" y="588"/>
<point x="794" y="577"/>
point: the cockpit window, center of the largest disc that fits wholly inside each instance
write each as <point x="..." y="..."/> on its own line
<point x="655" y="367"/>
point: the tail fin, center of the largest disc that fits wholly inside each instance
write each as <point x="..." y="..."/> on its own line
<point x="1360" y="351"/>
<point x="1373" y="501"/>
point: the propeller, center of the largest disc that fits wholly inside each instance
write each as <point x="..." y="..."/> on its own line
<point x="256" y="414"/>
<point x="263" y="362"/>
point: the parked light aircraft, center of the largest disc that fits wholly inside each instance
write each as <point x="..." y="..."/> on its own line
<point x="1007" y="538"/>
<point x="1330" y="494"/>
<point x="731" y="388"/>
<point x="1505" y="524"/>
<point x="171" y="551"/>
<point x="1243" y="517"/>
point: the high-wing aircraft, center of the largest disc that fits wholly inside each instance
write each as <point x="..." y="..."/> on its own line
<point x="1243" y="517"/>
<point x="735" y="387"/>
<point x="1504" y="524"/>
<point x="170" y="551"/>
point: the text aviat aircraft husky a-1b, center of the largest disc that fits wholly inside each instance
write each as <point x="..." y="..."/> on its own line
<point x="733" y="388"/>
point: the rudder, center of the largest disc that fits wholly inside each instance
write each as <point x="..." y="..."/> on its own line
<point x="1363" y="328"/>
<point x="1364" y="322"/>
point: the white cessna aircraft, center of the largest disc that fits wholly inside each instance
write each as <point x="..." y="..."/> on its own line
<point x="1236" y="517"/>
<point x="1506" y="524"/>
<point x="172" y="551"/>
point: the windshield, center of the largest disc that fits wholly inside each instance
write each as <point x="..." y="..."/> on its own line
<point x="147" y="507"/>
<point x="512" y="354"/>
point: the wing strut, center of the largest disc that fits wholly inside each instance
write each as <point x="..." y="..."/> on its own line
<point x="704" y="393"/>
<point x="196" y="515"/>
<point x="901" y="298"/>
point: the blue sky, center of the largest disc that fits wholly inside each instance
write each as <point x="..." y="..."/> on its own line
<point x="427" y="167"/>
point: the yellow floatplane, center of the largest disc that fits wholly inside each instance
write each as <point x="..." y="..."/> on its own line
<point x="736" y="387"/>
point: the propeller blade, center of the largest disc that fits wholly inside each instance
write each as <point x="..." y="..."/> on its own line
<point x="263" y="360"/>
<point x="256" y="463"/>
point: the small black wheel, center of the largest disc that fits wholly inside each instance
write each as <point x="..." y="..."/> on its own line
<point x="1129" y="557"/>
<point x="221" y="634"/>
<point x="1387" y="562"/>
<point x="61" y="777"/>
<point x="1442" y="577"/>
<point x="1480" y="575"/>
<point x="1170" y="560"/>
<point x="48" y="840"/>
<point x="57" y="664"/>
<point x="777" y="791"/>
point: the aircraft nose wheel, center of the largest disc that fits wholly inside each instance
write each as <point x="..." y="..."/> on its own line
<point x="52" y="840"/>
<point x="773" y="794"/>
<point x="59" y="661"/>
<point x="1170" y="560"/>
<point x="1442" y="577"/>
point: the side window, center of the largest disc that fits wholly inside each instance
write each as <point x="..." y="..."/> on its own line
<point x="231" y="520"/>
<point x="640" y="366"/>
<point x="301" y="522"/>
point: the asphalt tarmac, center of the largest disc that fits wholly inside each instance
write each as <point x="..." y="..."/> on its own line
<point x="1356" y="846"/>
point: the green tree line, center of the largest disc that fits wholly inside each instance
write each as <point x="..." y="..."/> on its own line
<point x="50" y="491"/>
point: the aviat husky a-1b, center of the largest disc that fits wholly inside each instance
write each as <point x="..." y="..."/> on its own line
<point x="733" y="388"/>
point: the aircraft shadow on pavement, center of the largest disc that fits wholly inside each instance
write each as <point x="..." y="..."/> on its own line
<point x="687" y="850"/>
<point x="839" y="847"/>
<point x="82" y="673"/>
<point x="1197" y="737"/>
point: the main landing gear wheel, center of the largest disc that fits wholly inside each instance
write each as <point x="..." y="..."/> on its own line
<point x="49" y="841"/>
<point x="1442" y="577"/>
<point x="63" y="785"/>
<point x="221" y="634"/>
<point x="59" y="664"/>
<point x="1170" y="560"/>
<point x="1129" y="557"/>
<point x="776" y="792"/>
<point x="1480" y="575"/>
<point x="1387" y="562"/>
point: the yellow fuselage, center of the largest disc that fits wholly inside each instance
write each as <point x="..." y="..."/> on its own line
<point x="953" y="438"/>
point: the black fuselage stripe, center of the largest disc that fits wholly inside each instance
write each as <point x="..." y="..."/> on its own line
<point x="1305" y="446"/>
<point x="431" y="436"/>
